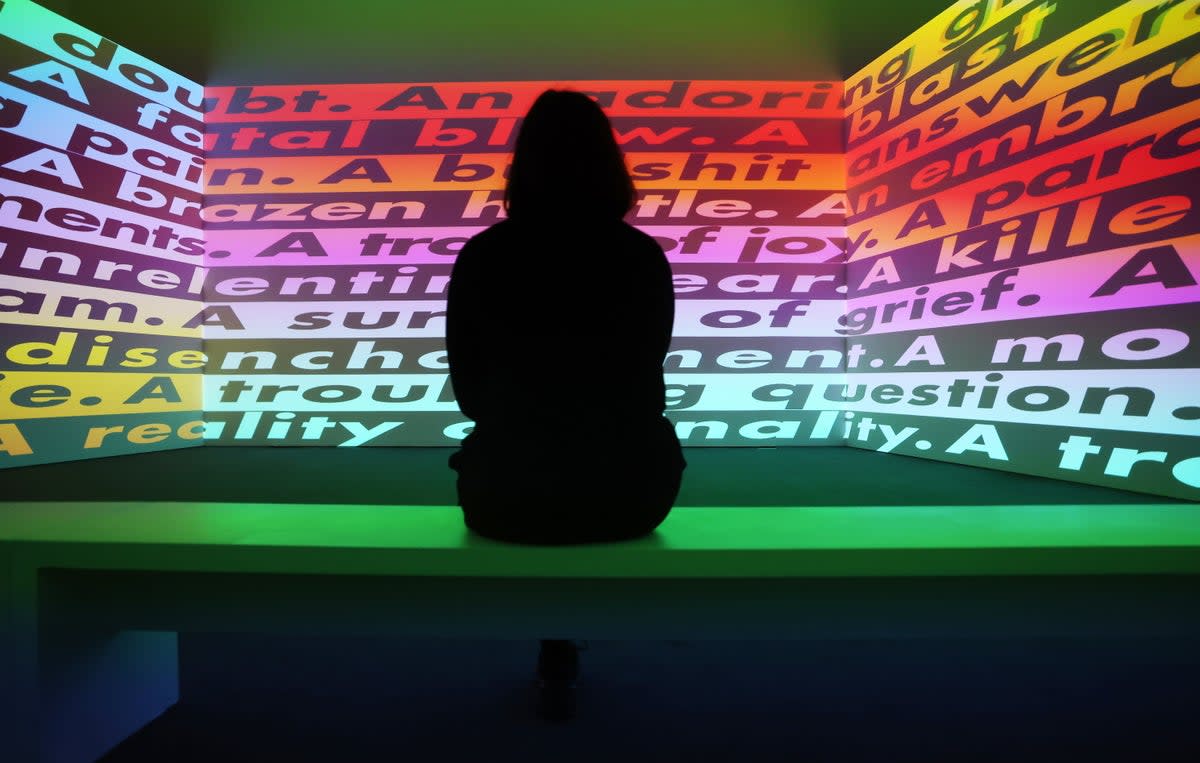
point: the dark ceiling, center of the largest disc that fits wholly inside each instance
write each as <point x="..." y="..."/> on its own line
<point x="318" y="41"/>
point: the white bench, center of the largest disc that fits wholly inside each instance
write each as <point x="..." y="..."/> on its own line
<point x="94" y="594"/>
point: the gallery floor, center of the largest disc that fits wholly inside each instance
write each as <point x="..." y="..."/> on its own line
<point x="253" y="697"/>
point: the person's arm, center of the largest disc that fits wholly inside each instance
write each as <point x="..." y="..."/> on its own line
<point x="655" y="300"/>
<point x="464" y="320"/>
<point x="658" y="320"/>
<point x="665" y="316"/>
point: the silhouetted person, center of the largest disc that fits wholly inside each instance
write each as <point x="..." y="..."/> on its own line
<point x="558" y="320"/>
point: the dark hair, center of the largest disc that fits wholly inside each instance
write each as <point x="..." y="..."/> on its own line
<point x="567" y="163"/>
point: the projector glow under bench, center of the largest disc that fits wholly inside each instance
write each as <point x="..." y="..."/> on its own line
<point x="94" y="594"/>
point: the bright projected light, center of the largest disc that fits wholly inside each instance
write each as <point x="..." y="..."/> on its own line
<point x="982" y="248"/>
<point x="101" y="162"/>
<point x="333" y="214"/>
<point x="1023" y="248"/>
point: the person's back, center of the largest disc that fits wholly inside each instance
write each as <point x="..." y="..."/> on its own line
<point x="556" y="334"/>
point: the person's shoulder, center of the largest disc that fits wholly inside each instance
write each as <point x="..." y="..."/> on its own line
<point x="639" y="236"/>
<point x="492" y="234"/>
<point x="645" y="249"/>
<point x="488" y="239"/>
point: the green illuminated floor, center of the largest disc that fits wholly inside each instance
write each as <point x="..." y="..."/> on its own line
<point x="686" y="529"/>
<point x="813" y="544"/>
<point x="741" y="513"/>
<point x="715" y="542"/>
<point x="419" y="476"/>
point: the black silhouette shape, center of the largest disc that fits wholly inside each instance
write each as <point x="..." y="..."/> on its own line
<point x="558" y="320"/>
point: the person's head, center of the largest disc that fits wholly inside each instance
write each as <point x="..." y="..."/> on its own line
<point x="567" y="163"/>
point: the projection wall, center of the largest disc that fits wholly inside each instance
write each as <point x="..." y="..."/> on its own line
<point x="1023" y="244"/>
<point x="333" y="215"/>
<point x="100" y="245"/>
<point x="982" y="248"/>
